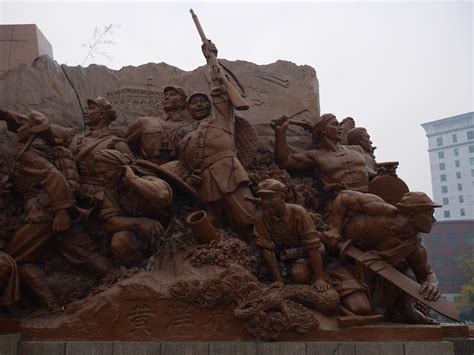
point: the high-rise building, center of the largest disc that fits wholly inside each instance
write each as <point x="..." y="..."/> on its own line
<point x="451" y="149"/>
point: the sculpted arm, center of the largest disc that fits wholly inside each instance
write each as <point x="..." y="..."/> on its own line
<point x="13" y="119"/>
<point x="132" y="137"/>
<point x="295" y="162"/>
<point x="420" y="265"/>
<point x="123" y="148"/>
<point x="151" y="188"/>
<point x="357" y="202"/>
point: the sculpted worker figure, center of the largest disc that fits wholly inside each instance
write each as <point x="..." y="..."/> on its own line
<point x="393" y="233"/>
<point x="359" y="136"/>
<point x="280" y="225"/>
<point x="157" y="138"/>
<point x="210" y="154"/>
<point x="338" y="166"/>
<point x="131" y="206"/>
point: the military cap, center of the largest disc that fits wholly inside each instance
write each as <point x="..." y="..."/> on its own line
<point x="178" y="89"/>
<point x="198" y="93"/>
<point x="416" y="201"/>
<point x="271" y="186"/>
<point x="104" y="105"/>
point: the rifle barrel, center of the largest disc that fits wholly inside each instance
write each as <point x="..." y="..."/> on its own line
<point x="198" y="26"/>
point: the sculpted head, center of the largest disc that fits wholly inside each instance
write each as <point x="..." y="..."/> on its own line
<point x="99" y="113"/>
<point x="420" y="209"/>
<point x="199" y="106"/>
<point x="174" y="99"/>
<point x="272" y="194"/>
<point x="359" y="136"/>
<point x="109" y="166"/>
<point x="328" y="128"/>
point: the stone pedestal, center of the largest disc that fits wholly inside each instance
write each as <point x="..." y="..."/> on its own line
<point x="21" y="44"/>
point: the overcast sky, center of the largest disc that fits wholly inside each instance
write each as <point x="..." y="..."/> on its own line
<point x="390" y="65"/>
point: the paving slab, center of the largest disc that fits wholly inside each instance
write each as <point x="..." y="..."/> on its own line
<point x="42" y="348"/>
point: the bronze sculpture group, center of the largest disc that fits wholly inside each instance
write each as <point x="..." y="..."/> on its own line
<point x="105" y="200"/>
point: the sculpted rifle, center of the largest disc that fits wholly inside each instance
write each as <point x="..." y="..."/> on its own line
<point x="235" y="97"/>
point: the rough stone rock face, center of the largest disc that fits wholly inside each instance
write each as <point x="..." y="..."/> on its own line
<point x="60" y="91"/>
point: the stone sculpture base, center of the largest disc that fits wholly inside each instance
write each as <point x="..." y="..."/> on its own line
<point x="10" y="344"/>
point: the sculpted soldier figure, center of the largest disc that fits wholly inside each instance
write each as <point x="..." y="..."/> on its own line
<point x="338" y="166"/>
<point x="131" y="206"/>
<point x="97" y="136"/>
<point x="157" y="138"/>
<point x="44" y="174"/>
<point x="393" y="234"/>
<point x="279" y="226"/>
<point x="210" y="154"/>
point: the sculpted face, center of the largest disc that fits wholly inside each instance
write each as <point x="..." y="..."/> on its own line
<point x="93" y="115"/>
<point x="108" y="173"/>
<point x="273" y="203"/>
<point x="172" y="100"/>
<point x="332" y="130"/>
<point x="199" y="107"/>
<point x="423" y="220"/>
<point x="365" y="142"/>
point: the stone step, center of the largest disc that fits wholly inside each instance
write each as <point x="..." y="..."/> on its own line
<point x="9" y="344"/>
<point x="230" y="348"/>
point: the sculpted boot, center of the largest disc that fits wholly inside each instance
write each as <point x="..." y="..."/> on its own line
<point x="33" y="278"/>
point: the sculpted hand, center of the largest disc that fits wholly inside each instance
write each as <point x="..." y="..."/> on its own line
<point x="61" y="221"/>
<point x="23" y="132"/>
<point x="280" y="124"/>
<point x="128" y="173"/>
<point x="150" y="227"/>
<point x="321" y="285"/>
<point x="209" y="48"/>
<point x="429" y="291"/>
<point x="194" y="180"/>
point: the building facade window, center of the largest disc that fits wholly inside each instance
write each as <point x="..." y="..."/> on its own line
<point x="462" y="212"/>
<point x="447" y="214"/>
<point x="472" y="173"/>
<point x="451" y="239"/>
<point x="459" y="187"/>
<point x="456" y="152"/>
<point x="470" y="136"/>
<point x="457" y="164"/>
<point x="469" y="238"/>
<point x="453" y="260"/>
<point x="442" y="177"/>
<point x="471" y="149"/>
<point x="441" y="155"/>
<point x="458" y="174"/>
<point x="442" y="166"/>
<point x="438" y="261"/>
<point x="444" y="189"/>
<point x="439" y="141"/>
<point x="445" y="201"/>
<point x="455" y="138"/>
<point x="461" y="199"/>
<point x="436" y="239"/>
<point x="471" y="161"/>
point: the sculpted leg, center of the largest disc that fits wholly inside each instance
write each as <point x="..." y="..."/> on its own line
<point x="29" y="240"/>
<point x="35" y="282"/>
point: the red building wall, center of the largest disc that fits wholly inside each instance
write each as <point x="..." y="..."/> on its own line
<point x="448" y="241"/>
